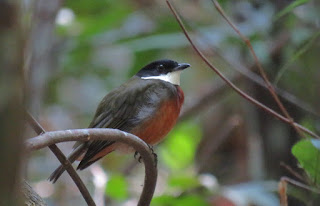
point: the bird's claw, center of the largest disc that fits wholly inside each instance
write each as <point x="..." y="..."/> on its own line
<point x="151" y="148"/>
<point x="136" y="155"/>
<point x="155" y="156"/>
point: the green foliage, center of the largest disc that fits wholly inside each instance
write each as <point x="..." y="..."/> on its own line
<point x="100" y="16"/>
<point x="178" y="153"/>
<point x="179" y="149"/>
<point x="310" y="124"/>
<point x="91" y="20"/>
<point x="117" y="187"/>
<point x="308" y="154"/>
<point x="191" y="200"/>
<point x="167" y="25"/>
<point x="183" y="182"/>
<point x="289" y="8"/>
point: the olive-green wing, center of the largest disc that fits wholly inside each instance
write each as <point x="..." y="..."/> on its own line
<point x="123" y="108"/>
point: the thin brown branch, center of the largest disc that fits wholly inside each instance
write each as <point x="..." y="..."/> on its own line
<point x="261" y="70"/>
<point x="135" y="142"/>
<point x="299" y="184"/>
<point x="294" y="173"/>
<point x="248" y="73"/>
<point x="217" y="88"/>
<point x="234" y="87"/>
<point x="259" y="81"/>
<point x="63" y="160"/>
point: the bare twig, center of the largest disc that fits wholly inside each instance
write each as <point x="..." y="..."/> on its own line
<point x="299" y="184"/>
<point x="64" y="161"/>
<point x="248" y="73"/>
<point x="261" y="70"/>
<point x="234" y="87"/>
<point x="139" y="145"/>
<point x="258" y="80"/>
<point x="283" y="189"/>
<point x="218" y="88"/>
<point x="282" y="93"/>
<point x="294" y="173"/>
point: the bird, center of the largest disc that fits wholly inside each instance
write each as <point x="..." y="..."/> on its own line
<point x="147" y="105"/>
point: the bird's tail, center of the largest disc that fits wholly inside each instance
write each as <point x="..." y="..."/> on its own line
<point x="75" y="154"/>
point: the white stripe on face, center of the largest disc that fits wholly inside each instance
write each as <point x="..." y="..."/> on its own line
<point x="172" y="77"/>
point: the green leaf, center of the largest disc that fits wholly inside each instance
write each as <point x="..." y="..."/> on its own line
<point x="289" y="8"/>
<point x="308" y="154"/>
<point x="166" y="200"/>
<point x="183" y="182"/>
<point x="308" y="123"/>
<point x="99" y="16"/>
<point x="117" y="187"/>
<point x="190" y="200"/>
<point x="179" y="148"/>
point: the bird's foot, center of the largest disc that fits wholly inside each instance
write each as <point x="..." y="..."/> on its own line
<point x="137" y="155"/>
<point x="155" y="156"/>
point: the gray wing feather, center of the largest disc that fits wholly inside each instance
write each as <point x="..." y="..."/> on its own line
<point x="124" y="110"/>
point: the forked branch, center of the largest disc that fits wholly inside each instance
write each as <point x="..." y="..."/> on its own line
<point x="261" y="70"/>
<point x="233" y="86"/>
<point x="50" y="138"/>
<point x="63" y="160"/>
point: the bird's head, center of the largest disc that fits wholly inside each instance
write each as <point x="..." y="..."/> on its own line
<point x="166" y="70"/>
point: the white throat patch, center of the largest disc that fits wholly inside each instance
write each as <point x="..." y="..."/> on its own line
<point x="172" y="77"/>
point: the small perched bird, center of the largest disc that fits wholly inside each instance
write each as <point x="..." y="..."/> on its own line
<point x="147" y="105"/>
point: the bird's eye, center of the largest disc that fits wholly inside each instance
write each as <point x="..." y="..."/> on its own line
<point x="160" y="68"/>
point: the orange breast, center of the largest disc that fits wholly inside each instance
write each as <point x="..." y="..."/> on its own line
<point x="156" y="128"/>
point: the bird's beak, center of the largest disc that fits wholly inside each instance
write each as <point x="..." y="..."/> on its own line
<point x="181" y="66"/>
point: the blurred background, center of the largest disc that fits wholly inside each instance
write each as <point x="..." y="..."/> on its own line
<point x="224" y="151"/>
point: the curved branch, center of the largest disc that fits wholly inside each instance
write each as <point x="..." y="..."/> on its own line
<point x="135" y="142"/>
<point x="233" y="86"/>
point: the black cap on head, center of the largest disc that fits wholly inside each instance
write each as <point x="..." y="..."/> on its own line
<point x="161" y="67"/>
